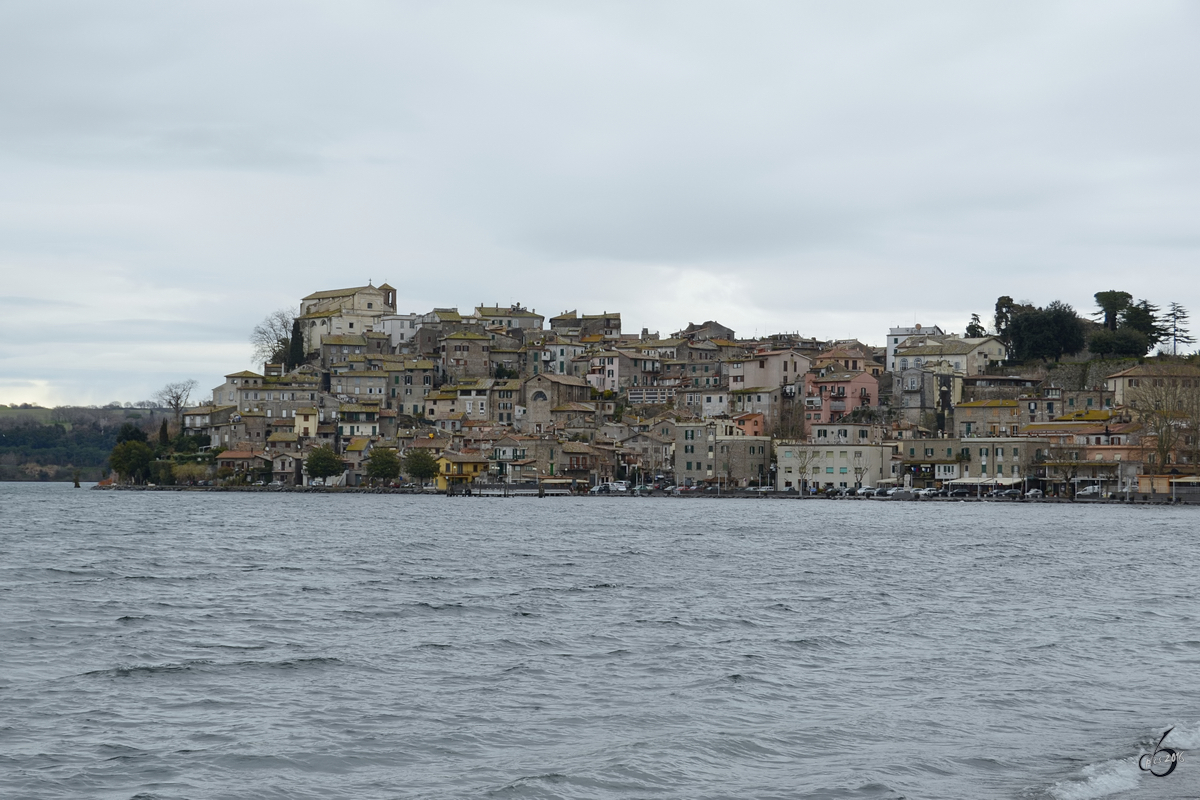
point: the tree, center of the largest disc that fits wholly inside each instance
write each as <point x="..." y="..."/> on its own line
<point x="175" y="396"/>
<point x="1176" y="321"/>
<point x="164" y="436"/>
<point x="1004" y="311"/>
<point x="420" y="465"/>
<point x="1067" y="327"/>
<point x="1143" y="317"/>
<point x="1111" y="304"/>
<point x="383" y="464"/>
<point x="1123" y="342"/>
<point x="1160" y="405"/>
<point x="323" y="463"/>
<point x="130" y="433"/>
<point x="295" y="354"/>
<point x="1049" y="332"/>
<point x="975" y="329"/>
<point x="131" y="459"/>
<point x="190" y="472"/>
<point x="272" y="337"/>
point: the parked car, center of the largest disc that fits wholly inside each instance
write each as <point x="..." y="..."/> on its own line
<point x="1092" y="491"/>
<point x="927" y="492"/>
<point x="865" y="491"/>
<point x="882" y="491"/>
<point x="1008" y="494"/>
<point x="1035" y="494"/>
<point x="960" y="493"/>
<point x="600" y="488"/>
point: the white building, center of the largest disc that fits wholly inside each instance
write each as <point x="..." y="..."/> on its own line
<point x="896" y="336"/>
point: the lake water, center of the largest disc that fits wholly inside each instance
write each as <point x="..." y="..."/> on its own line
<point x="211" y="645"/>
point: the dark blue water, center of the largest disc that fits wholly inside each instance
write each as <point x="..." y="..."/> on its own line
<point x="160" y="645"/>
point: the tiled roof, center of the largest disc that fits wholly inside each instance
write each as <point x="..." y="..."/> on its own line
<point x="333" y="293"/>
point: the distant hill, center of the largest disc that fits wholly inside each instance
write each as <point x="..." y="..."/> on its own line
<point x="50" y="444"/>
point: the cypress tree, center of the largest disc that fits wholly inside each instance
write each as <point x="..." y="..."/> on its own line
<point x="295" y="353"/>
<point x="164" y="437"/>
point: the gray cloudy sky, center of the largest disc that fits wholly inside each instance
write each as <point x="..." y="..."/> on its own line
<point x="172" y="172"/>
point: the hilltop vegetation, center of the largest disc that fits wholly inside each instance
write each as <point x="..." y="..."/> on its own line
<point x="51" y="444"/>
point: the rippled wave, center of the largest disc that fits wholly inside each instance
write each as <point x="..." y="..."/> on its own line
<point x="205" y="645"/>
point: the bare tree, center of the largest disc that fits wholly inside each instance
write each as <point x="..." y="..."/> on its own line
<point x="175" y="396"/>
<point x="1159" y="403"/>
<point x="272" y="336"/>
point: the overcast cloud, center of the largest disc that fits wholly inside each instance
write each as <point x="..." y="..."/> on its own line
<point x="172" y="172"/>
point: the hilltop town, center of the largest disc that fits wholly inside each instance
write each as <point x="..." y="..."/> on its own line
<point x="503" y="395"/>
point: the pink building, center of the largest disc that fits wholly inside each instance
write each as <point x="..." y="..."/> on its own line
<point x="835" y="395"/>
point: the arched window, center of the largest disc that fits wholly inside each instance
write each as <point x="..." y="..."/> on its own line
<point x="904" y="363"/>
<point x="539" y="395"/>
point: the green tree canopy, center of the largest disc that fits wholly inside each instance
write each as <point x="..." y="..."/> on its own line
<point x="130" y="433"/>
<point x="1111" y="304"/>
<point x="1123" y="342"/>
<point x="383" y="464"/>
<point x="131" y="459"/>
<point x="975" y="329"/>
<point x="420" y="465"/>
<point x="1049" y="332"/>
<point x="295" y="353"/>
<point x="323" y="463"/>
<point x="1142" y="316"/>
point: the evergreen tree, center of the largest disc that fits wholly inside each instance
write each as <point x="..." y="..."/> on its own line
<point x="1143" y="317"/>
<point x="1004" y="313"/>
<point x="1176" y="324"/>
<point x="295" y="352"/>
<point x="131" y="459"/>
<point x="1050" y="332"/>
<point x="1111" y="304"/>
<point x="975" y="329"/>
<point x="164" y="437"/>
<point x="1123" y="342"/>
<point x="130" y="433"/>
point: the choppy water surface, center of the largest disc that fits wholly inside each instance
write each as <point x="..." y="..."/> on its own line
<point x="159" y="645"/>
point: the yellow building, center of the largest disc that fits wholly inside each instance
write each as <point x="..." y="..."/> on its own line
<point x="459" y="468"/>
